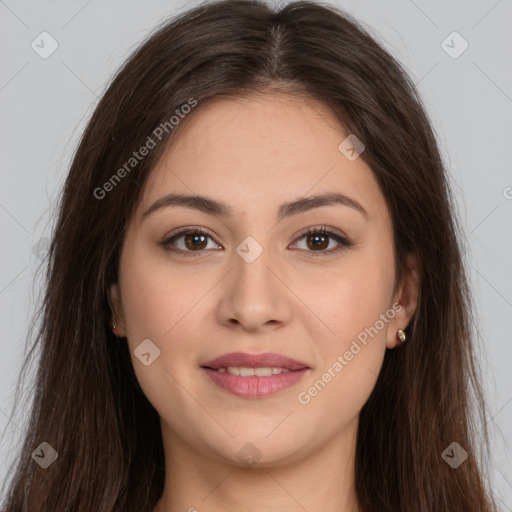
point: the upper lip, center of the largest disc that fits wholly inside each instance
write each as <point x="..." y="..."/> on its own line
<point x="243" y="359"/>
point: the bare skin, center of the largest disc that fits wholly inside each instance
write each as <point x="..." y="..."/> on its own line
<point x="297" y="298"/>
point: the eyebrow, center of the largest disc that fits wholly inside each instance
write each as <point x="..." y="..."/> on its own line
<point x="220" y="209"/>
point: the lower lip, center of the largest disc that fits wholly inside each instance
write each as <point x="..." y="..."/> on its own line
<point x="255" y="387"/>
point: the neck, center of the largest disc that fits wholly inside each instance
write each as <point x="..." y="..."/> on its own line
<point x="320" y="480"/>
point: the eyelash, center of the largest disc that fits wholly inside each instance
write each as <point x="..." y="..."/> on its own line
<point x="342" y="241"/>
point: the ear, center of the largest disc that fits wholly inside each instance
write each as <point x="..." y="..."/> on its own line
<point x="114" y="299"/>
<point x="405" y="300"/>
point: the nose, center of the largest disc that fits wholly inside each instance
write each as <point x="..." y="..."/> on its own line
<point x="255" y="296"/>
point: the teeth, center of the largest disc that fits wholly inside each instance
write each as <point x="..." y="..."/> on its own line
<point x="250" y="372"/>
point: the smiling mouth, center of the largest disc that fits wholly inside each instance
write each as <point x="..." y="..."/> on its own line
<point x="243" y="371"/>
<point x="259" y="382"/>
<point x="254" y="375"/>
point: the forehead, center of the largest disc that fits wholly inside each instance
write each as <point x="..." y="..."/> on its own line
<point x="258" y="150"/>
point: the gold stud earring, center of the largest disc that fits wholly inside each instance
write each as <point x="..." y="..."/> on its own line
<point x="401" y="335"/>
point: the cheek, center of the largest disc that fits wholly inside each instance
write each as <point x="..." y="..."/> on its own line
<point x="354" y="297"/>
<point x="352" y="351"/>
<point x="160" y="307"/>
<point x="155" y="300"/>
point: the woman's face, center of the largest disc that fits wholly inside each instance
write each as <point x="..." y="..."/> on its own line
<point x="251" y="282"/>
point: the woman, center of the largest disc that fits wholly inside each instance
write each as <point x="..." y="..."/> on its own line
<point x="255" y="293"/>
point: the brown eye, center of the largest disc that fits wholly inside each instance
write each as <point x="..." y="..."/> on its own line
<point x="195" y="241"/>
<point x="187" y="241"/>
<point x="318" y="241"/>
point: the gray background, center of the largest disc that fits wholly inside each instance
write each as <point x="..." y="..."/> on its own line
<point x="45" y="103"/>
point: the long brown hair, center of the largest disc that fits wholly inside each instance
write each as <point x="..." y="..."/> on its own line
<point x="88" y="404"/>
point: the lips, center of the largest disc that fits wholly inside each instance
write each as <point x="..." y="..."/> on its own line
<point x="254" y="375"/>
<point x="243" y="359"/>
